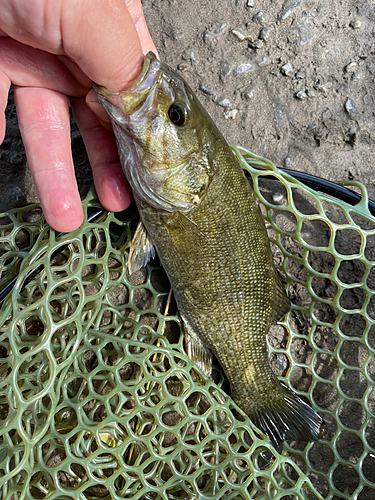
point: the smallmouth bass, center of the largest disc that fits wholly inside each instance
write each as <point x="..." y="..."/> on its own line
<point x="199" y="212"/>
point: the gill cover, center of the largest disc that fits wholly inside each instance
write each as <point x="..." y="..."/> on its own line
<point x="157" y="127"/>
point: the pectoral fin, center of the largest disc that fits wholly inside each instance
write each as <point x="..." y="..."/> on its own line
<point x="191" y="229"/>
<point x="196" y="351"/>
<point x="141" y="249"/>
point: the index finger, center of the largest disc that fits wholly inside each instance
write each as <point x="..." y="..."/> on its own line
<point x="43" y="117"/>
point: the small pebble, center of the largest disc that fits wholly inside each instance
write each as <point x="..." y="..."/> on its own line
<point x="356" y="24"/>
<point x="241" y="37"/>
<point x="225" y="68"/>
<point x="324" y="87"/>
<point x="16" y="196"/>
<point x="281" y="363"/>
<point x="280" y="113"/>
<point x="305" y="235"/>
<point x="299" y="34"/>
<point x="16" y="159"/>
<point x="265" y="34"/>
<point x="289" y="162"/>
<point x="218" y="29"/>
<point x="207" y="90"/>
<point x="359" y="75"/>
<point x="258" y="44"/>
<point x="250" y="3"/>
<point x="351" y="67"/>
<point x="264" y="61"/>
<point x="175" y="33"/>
<point x="301" y="74"/>
<point x="301" y="95"/>
<point x="182" y="67"/>
<point x="224" y="102"/>
<point x="287" y="69"/>
<point x="351" y="107"/>
<point x="247" y="94"/>
<point x="243" y="68"/>
<point x="230" y="114"/>
<point x="288" y="7"/>
<point x="311" y="93"/>
<point x="259" y="17"/>
<point x="189" y="54"/>
<point x="277" y="197"/>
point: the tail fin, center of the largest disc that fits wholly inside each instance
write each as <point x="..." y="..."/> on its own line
<point x="290" y="420"/>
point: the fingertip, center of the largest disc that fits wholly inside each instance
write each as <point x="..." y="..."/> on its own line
<point x="83" y="36"/>
<point x="63" y="216"/>
<point x="112" y="187"/>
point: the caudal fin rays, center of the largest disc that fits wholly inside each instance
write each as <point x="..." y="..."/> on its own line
<point x="289" y="420"/>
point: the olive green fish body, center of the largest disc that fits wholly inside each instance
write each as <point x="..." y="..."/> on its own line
<point x="223" y="278"/>
<point x="198" y="210"/>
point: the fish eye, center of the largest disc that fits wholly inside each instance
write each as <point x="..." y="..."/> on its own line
<point x="177" y="114"/>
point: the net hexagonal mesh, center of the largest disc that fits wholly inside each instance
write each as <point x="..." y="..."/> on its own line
<point x="99" y="400"/>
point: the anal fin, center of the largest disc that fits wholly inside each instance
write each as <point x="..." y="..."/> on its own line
<point x="141" y="249"/>
<point x="281" y="301"/>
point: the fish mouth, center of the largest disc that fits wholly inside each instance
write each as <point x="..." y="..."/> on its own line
<point x="143" y="76"/>
<point x="128" y="101"/>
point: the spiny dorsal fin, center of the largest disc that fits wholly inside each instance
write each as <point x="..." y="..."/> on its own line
<point x="141" y="249"/>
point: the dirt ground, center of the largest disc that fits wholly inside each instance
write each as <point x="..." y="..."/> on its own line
<point x="290" y="80"/>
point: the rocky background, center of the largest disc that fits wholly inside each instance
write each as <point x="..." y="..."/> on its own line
<point x="291" y="80"/>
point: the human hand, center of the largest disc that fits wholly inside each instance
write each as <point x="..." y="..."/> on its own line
<point x="50" y="50"/>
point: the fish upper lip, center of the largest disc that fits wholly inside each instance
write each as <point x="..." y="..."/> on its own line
<point x="149" y="58"/>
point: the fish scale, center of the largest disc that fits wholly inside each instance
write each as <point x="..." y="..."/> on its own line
<point x="199" y="212"/>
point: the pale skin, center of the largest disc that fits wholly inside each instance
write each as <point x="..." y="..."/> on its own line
<point x="51" y="50"/>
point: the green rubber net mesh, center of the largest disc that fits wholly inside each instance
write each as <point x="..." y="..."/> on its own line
<point x="98" y="399"/>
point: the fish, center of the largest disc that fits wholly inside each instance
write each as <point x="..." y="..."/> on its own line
<point x="198" y="211"/>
